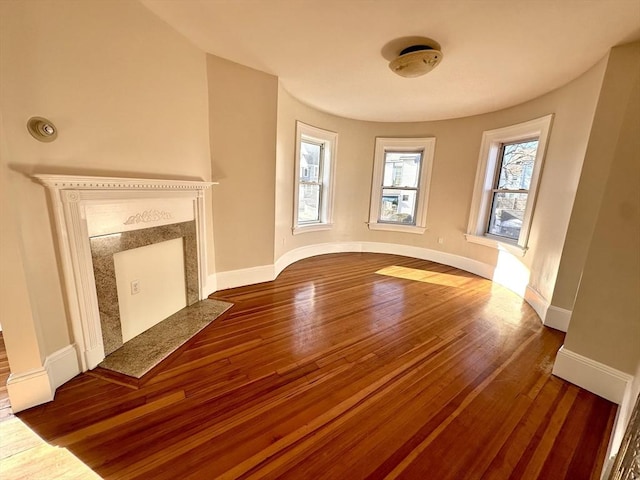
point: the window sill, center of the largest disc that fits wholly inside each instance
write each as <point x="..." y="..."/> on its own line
<point x="516" y="250"/>
<point x="391" y="227"/>
<point x="313" y="227"/>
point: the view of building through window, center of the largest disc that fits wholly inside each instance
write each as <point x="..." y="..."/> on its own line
<point x="310" y="182"/>
<point x="511" y="188"/>
<point x="400" y="187"/>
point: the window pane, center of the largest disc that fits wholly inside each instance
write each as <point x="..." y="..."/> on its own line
<point x="398" y="206"/>
<point x="309" y="204"/>
<point x="310" y="154"/>
<point x="401" y="169"/>
<point x="517" y="165"/>
<point x="507" y="212"/>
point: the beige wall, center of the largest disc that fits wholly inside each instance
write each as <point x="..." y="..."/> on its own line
<point x="454" y="169"/>
<point x="605" y="325"/>
<point x="621" y="77"/>
<point x="129" y="97"/>
<point x="132" y="97"/>
<point x="242" y="108"/>
<point x="21" y="338"/>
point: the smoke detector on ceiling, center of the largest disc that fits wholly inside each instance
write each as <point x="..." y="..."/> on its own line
<point x="415" y="61"/>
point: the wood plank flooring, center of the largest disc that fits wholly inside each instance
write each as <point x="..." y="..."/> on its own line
<point x="334" y="371"/>
<point x="24" y="455"/>
<point x="5" y="406"/>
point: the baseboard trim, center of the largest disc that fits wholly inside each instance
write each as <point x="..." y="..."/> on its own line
<point x="551" y="316"/>
<point x="457" y="261"/>
<point x="28" y="389"/>
<point x="292" y="256"/>
<point x="38" y="386"/>
<point x="558" y="318"/>
<point x="598" y="378"/>
<point x="245" y="276"/>
<point x="62" y="366"/>
<point x="467" y="264"/>
<point x="212" y="284"/>
<point x="473" y="266"/>
<point x="267" y="273"/>
<point x="537" y="302"/>
<point x="625" y="411"/>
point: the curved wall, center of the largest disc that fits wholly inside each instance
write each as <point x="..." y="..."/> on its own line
<point x="454" y="170"/>
<point x="149" y="102"/>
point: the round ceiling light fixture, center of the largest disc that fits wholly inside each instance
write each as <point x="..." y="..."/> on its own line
<point x="415" y="61"/>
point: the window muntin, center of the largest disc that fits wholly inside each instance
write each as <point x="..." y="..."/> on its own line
<point x="314" y="167"/>
<point x="400" y="187"/>
<point x="510" y="192"/>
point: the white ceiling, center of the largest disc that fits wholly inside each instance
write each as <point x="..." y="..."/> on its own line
<point x="328" y="54"/>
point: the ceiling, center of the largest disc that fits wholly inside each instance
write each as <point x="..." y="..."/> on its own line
<point x="329" y="53"/>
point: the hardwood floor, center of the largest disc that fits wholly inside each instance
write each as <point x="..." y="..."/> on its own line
<point x="336" y="371"/>
<point x="5" y="407"/>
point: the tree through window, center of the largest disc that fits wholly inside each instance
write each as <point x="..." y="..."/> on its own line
<point x="507" y="179"/>
<point x="511" y="188"/>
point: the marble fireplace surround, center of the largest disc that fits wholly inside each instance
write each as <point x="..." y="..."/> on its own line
<point x="88" y="211"/>
<point x="104" y="247"/>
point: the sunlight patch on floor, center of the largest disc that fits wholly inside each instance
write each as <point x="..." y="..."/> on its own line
<point x="424" y="276"/>
<point x="23" y="454"/>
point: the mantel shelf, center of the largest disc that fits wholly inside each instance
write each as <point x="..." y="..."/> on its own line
<point x="118" y="183"/>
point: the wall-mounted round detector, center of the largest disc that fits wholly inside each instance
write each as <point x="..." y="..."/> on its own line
<point x="42" y="129"/>
<point x="416" y="60"/>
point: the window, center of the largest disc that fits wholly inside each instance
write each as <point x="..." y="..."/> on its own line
<point x="511" y="188"/>
<point x="506" y="183"/>
<point x="400" y="190"/>
<point x="313" y="192"/>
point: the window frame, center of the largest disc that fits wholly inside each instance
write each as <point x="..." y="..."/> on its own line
<point x="425" y="145"/>
<point x="487" y="170"/>
<point x="328" y="141"/>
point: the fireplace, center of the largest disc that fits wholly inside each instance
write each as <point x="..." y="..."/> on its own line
<point x="111" y="288"/>
<point x="97" y="220"/>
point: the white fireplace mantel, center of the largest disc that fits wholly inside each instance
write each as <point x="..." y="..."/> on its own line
<point x="86" y="206"/>
<point x="118" y="183"/>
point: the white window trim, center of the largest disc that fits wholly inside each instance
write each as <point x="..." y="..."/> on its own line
<point x="330" y="140"/>
<point x="485" y="174"/>
<point x="384" y="144"/>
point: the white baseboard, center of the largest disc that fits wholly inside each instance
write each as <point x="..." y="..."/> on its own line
<point x="292" y="256"/>
<point x="266" y="273"/>
<point x="551" y="316"/>
<point x="537" y="302"/>
<point x="457" y="261"/>
<point x="558" y="318"/>
<point x="467" y="264"/>
<point x="474" y="266"/>
<point x="244" y="276"/>
<point x="591" y="375"/>
<point x="28" y="389"/>
<point x="62" y="366"/>
<point x="212" y="284"/>
<point x="625" y="411"/>
<point x="94" y="356"/>
<point x="38" y="386"/>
